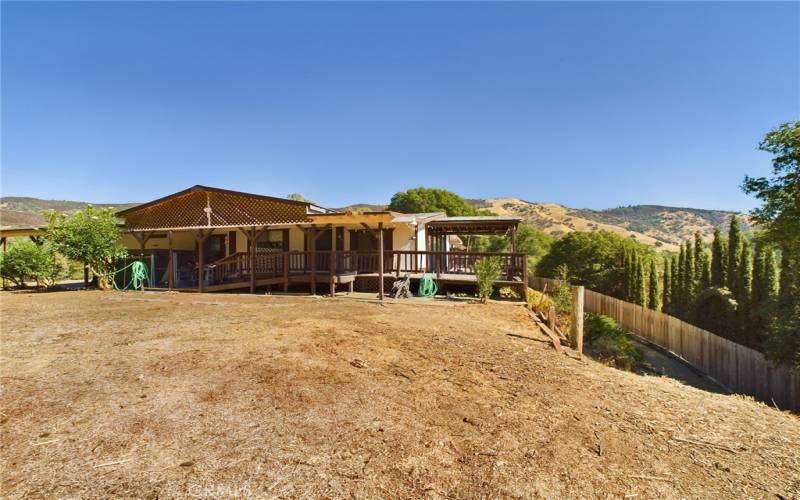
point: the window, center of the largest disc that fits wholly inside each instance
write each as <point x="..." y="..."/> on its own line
<point x="276" y="240"/>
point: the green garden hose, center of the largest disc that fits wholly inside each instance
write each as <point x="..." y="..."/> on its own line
<point x="139" y="275"/>
<point x="427" y="287"/>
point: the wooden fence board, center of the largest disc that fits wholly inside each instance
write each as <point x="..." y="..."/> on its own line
<point x="737" y="367"/>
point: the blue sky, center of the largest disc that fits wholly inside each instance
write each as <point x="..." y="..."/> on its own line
<point x="586" y="104"/>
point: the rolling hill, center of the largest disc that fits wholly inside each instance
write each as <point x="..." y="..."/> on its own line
<point x="17" y="211"/>
<point x="659" y="226"/>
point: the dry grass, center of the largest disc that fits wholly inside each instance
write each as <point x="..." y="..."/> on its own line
<point x="145" y="395"/>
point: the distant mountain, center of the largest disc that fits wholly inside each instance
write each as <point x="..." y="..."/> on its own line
<point x="17" y="211"/>
<point x="659" y="226"/>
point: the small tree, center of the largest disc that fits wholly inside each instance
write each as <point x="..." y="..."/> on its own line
<point x="26" y="261"/>
<point x="487" y="270"/>
<point x="91" y="236"/>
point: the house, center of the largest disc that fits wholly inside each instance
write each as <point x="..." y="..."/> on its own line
<point x="211" y="239"/>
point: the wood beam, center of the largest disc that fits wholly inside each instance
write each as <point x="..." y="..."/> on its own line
<point x="312" y="242"/>
<point x="170" y="263"/>
<point x="201" y="235"/>
<point x="380" y="260"/>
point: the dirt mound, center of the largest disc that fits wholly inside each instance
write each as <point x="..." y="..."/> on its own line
<point x="172" y="395"/>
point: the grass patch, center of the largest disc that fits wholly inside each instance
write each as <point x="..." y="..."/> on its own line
<point x="610" y="344"/>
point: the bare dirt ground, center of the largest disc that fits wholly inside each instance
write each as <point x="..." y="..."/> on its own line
<point x="167" y="395"/>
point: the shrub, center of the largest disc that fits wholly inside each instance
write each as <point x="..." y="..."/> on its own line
<point x="562" y="294"/>
<point x="507" y="292"/>
<point x="611" y="344"/>
<point x="26" y="261"/>
<point x="487" y="270"/>
<point x="538" y="301"/>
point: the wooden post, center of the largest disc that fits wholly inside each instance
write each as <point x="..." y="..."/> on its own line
<point x="285" y="272"/>
<point x="312" y="241"/>
<point x="514" y="239"/>
<point x="551" y="318"/>
<point x="332" y="262"/>
<point x="251" y="246"/>
<point x="170" y="263"/>
<point x="380" y="260"/>
<point x="85" y="274"/>
<point x="576" y="330"/>
<point x="4" y="251"/>
<point x="142" y="238"/>
<point x="200" y="236"/>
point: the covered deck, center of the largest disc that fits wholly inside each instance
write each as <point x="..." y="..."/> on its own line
<point x="308" y="247"/>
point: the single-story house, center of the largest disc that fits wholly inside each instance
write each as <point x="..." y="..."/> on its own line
<point x="211" y="239"/>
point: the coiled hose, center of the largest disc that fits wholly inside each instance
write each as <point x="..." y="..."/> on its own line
<point x="427" y="286"/>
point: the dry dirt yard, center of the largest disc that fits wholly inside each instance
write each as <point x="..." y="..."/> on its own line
<point x="168" y="395"/>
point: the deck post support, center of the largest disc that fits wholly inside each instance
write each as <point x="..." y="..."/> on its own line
<point x="514" y="239"/>
<point x="286" y="260"/>
<point x="332" y="262"/>
<point x="142" y="238"/>
<point x="4" y="280"/>
<point x="251" y="246"/>
<point x="380" y="260"/>
<point x="200" y="237"/>
<point x="170" y="263"/>
<point x="524" y="290"/>
<point x="576" y="330"/>
<point x="312" y="241"/>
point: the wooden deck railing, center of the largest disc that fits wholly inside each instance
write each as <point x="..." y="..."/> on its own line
<point x="236" y="267"/>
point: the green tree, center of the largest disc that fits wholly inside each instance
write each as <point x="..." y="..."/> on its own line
<point x="420" y="200"/>
<point x="91" y="236"/>
<point x="779" y="217"/>
<point x="593" y="259"/>
<point x="764" y="293"/>
<point x="690" y="279"/>
<point x="734" y="250"/>
<point x="299" y="197"/>
<point x="641" y="283"/>
<point x="675" y="287"/>
<point x="652" y="299"/>
<point x="699" y="252"/>
<point x="680" y="297"/>
<point x="666" y="302"/>
<point x="718" y="278"/>
<point x="742" y="292"/>
<point x="25" y="261"/>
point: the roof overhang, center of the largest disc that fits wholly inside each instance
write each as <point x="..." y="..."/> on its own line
<point x="352" y="218"/>
<point x="477" y="225"/>
<point x="19" y="232"/>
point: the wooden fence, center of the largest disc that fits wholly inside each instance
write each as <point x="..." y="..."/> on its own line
<point x="739" y="368"/>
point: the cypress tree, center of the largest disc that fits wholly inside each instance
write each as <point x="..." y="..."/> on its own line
<point x="743" y="289"/>
<point x="680" y="296"/>
<point x="674" y="295"/>
<point x="666" y="300"/>
<point x="699" y="251"/>
<point x="626" y="278"/>
<point x="770" y="275"/>
<point x="734" y="249"/>
<point x="641" y="283"/>
<point x="718" y="260"/>
<point x="652" y="300"/>
<point x="689" y="279"/>
<point x="705" y="276"/>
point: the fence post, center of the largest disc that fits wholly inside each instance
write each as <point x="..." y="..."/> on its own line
<point x="576" y="330"/>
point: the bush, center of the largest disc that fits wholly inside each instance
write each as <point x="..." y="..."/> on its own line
<point x="26" y="261"/>
<point x="562" y="294"/>
<point x="538" y="301"/>
<point x="611" y="344"/>
<point x="507" y="292"/>
<point x="487" y="270"/>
